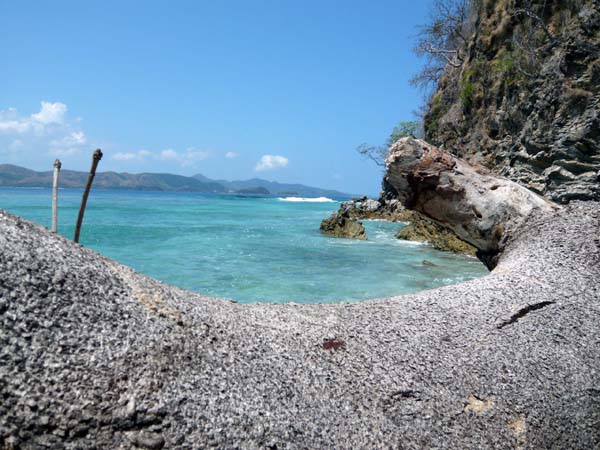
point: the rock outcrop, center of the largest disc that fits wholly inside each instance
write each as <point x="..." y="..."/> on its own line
<point x="94" y="355"/>
<point x="482" y="209"/>
<point x="341" y="225"/>
<point x="525" y="102"/>
<point x="368" y="209"/>
<point x="419" y="229"/>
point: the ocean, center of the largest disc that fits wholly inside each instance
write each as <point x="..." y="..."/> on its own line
<point x="246" y="248"/>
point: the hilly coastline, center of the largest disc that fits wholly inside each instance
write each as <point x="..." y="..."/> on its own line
<point x="16" y="176"/>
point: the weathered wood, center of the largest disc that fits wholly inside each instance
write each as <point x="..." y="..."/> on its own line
<point x="96" y="159"/>
<point x="479" y="207"/>
<point x="57" y="166"/>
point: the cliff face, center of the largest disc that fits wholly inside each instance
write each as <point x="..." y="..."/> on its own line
<point x="526" y="100"/>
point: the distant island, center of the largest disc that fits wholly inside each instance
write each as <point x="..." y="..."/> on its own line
<point x="15" y="176"/>
<point x="259" y="190"/>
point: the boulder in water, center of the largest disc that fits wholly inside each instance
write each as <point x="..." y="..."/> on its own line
<point x="342" y="226"/>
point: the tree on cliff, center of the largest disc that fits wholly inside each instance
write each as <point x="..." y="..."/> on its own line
<point x="378" y="153"/>
<point x="443" y="40"/>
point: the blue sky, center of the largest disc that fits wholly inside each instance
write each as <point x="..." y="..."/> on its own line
<point x="282" y="90"/>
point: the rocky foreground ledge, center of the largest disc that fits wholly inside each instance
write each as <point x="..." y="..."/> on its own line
<point x="94" y="355"/>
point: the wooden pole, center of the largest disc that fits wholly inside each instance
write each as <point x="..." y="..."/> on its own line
<point x="96" y="159"/>
<point x="57" y="166"/>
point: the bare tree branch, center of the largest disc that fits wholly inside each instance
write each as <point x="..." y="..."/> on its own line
<point x="533" y="16"/>
<point x="443" y="40"/>
<point x="377" y="154"/>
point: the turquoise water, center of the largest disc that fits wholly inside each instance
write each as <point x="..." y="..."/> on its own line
<point x="245" y="248"/>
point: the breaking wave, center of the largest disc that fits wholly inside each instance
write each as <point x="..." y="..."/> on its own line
<point x="306" y="199"/>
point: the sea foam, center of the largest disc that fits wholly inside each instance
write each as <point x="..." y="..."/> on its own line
<point x="306" y="199"/>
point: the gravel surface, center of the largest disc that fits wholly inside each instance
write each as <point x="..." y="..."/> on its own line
<point x="94" y="355"/>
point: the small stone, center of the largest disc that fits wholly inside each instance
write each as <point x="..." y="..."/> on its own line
<point x="130" y="408"/>
<point x="151" y="441"/>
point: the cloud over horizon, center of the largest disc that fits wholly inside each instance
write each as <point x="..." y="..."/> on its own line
<point x="36" y="138"/>
<point x="49" y="129"/>
<point x="271" y="162"/>
<point x="187" y="158"/>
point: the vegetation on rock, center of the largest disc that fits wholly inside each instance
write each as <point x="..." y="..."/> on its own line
<point x="521" y="93"/>
<point x="421" y="229"/>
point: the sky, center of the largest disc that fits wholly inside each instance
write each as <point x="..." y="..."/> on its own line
<point x="282" y="90"/>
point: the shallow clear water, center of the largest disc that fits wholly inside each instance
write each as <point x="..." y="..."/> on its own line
<point x="245" y="248"/>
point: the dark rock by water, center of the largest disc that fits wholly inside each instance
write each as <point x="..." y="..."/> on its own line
<point x="341" y="225"/>
<point x="421" y="229"/>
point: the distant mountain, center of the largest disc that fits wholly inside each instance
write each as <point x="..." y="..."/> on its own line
<point x="15" y="176"/>
<point x="276" y="188"/>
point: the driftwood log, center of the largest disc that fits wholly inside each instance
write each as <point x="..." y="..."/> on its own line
<point x="479" y="207"/>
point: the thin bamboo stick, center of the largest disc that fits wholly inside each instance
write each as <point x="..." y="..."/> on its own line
<point x="57" y="166"/>
<point x="96" y="159"/>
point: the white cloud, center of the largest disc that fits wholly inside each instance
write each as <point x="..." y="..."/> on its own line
<point x="271" y="162"/>
<point x="48" y="132"/>
<point x="51" y="113"/>
<point x="70" y="144"/>
<point x="51" y="132"/>
<point x="14" y="126"/>
<point x="192" y="156"/>
<point x="64" y="151"/>
<point x="78" y="137"/>
<point x="168" y="154"/>
<point x="185" y="159"/>
<point x="231" y="155"/>
<point x="336" y="176"/>
<point x="124" y="156"/>
<point x="140" y="155"/>
<point x="11" y="123"/>
<point x="72" y="139"/>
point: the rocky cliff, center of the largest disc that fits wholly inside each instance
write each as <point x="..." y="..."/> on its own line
<point x="525" y="102"/>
